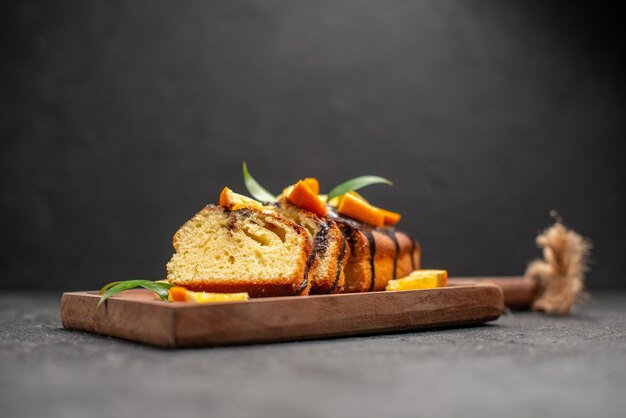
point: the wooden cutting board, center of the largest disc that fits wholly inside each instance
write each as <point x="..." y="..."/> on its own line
<point x="135" y="315"/>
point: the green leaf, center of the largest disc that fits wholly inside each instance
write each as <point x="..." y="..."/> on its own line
<point x="108" y="286"/>
<point x="255" y="189"/>
<point x="111" y="289"/>
<point x="356" y="184"/>
<point x="157" y="288"/>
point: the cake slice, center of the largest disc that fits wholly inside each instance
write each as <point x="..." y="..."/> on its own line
<point x="329" y="247"/>
<point x="244" y="250"/>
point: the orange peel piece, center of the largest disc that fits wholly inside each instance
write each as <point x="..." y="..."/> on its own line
<point x="303" y="197"/>
<point x="336" y="201"/>
<point x="177" y="294"/>
<point x="358" y="196"/>
<point x="391" y="218"/>
<point x="357" y="208"/>
<point x="181" y="294"/>
<point x="420" y="279"/>
<point x="206" y="297"/>
<point x="233" y="201"/>
<point x="226" y="198"/>
<point x="312" y="184"/>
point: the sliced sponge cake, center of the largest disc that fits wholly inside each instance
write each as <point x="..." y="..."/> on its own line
<point x="245" y="250"/>
<point x="329" y="245"/>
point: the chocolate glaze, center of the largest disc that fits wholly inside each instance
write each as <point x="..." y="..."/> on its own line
<point x="320" y="243"/>
<point x="391" y="233"/>
<point x="307" y="268"/>
<point x="342" y="255"/>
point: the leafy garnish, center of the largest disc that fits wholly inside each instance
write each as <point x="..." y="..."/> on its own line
<point x="113" y="288"/>
<point x="255" y="189"/>
<point x="108" y="286"/>
<point x="356" y="184"/>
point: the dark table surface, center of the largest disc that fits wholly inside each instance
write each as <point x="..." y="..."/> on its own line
<point x="524" y="364"/>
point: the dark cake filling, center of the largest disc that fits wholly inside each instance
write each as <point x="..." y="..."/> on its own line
<point x="342" y="255"/>
<point x="320" y="244"/>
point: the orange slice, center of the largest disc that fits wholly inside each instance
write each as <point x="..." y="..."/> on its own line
<point x="357" y="208"/>
<point x="336" y="201"/>
<point x="303" y="197"/>
<point x="177" y="294"/>
<point x="391" y="218"/>
<point x="312" y="184"/>
<point x="420" y="279"/>
<point x="206" y="297"/>
<point x="357" y="195"/>
<point x="180" y="294"/>
<point x="226" y="197"/>
<point x="233" y="201"/>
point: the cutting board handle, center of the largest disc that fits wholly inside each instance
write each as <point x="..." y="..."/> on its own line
<point x="519" y="292"/>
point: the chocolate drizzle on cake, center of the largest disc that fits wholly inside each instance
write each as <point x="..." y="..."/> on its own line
<point x="320" y="242"/>
<point x="342" y="255"/>
<point x="391" y="233"/>
<point x="307" y="268"/>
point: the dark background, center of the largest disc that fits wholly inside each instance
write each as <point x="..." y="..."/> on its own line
<point x="119" y="120"/>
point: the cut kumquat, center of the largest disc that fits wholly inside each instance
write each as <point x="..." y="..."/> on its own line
<point x="391" y="218"/>
<point x="420" y="279"/>
<point x="357" y="208"/>
<point x="180" y="294"/>
<point x="233" y="201"/>
<point x="303" y="197"/>
<point x="312" y="184"/>
<point x="177" y="294"/>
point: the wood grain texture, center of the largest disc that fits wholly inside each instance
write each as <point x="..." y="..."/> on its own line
<point x="519" y="292"/>
<point x="137" y="316"/>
